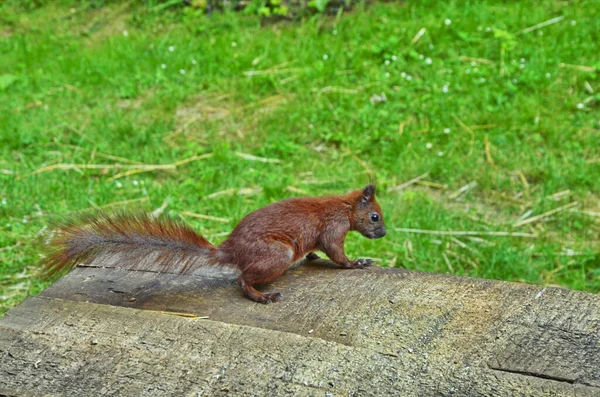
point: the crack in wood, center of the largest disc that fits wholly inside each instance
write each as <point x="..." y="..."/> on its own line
<point x="538" y="375"/>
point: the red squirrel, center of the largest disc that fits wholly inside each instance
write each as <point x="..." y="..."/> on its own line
<point x="262" y="246"/>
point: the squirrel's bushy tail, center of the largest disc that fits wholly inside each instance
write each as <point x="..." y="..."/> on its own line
<point x="127" y="241"/>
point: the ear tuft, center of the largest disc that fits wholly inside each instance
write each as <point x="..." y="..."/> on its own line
<point x="368" y="193"/>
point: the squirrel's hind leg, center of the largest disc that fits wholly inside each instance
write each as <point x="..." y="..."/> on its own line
<point x="258" y="296"/>
<point x="274" y="260"/>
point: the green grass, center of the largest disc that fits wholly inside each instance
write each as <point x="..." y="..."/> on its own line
<point x="75" y="90"/>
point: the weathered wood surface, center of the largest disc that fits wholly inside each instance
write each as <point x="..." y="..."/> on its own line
<point x="344" y="332"/>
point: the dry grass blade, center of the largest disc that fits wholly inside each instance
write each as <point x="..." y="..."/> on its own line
<point x="432" y="185"/>
<point x="127" y="173"/>
<point x="559" y="195"/>
<point x="158" y="212"/>
<point x="545" y="214"/>
<point x="132" y="168"/>
<point x="448" y="262"/>
<point x="193" y="158"/>
<point x="465" y="233"/>
<point x="250" y="73"/>
<point x="408" y="183"/>
<point x="64" y="166"/>
<point x="543" y="24"/>
<point x="582" y="68"/>
<point x="202" y="216"/>
<point x="418" y="36"/>
<point x="179" y="314"/>
<point x="469" y="130"/>
<point x="594" y="214"/>
<point x="337" y="90"/>
<point x="488" y="155"/>
<point x="507" y="197"/>
<point x="463" y="190"/>
<point x="251" y="157"/>
<point x="175" y="164"/>
<point x="125" y="202"/>
<point x="123" y="159"/>
<point x="480" y="60"/>
<point x="296" y="190"/>
<point x="226" y="192"/>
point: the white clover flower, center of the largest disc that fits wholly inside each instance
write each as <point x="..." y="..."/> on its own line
<point x="548" y="75"/>
<point x="447" y="130"/>
<point x="394" y="57"/>
<point x="387" y="75"/>
<point x="421" y="56"/>
<point x="163" y="66"/>
<point x="403" y="75"/>
<point x="3" y="201"/>
<point x="194" y="62"/>
<point x="409" y="78"/>
<point x="447" y="21"/>
<point x="522" y="60"/>
<point x="233" y="44"/>
<point x="440" y="154"/>
<point x="488" y="29"/>
<point x="428" y="145"/>
<point x="522" y="66"/>
<point x="580" y="106"/>
<point x="171" y="48"/>
<point x="479" y="28"/>
<point x="573" y="23"/>
<point x="334" y="32"/>
<point x="428" y="61"/>
<point x="445" y="88"/>
<point x="135" y="182"/>
<point x="482" y="80"/>
<point x="125" y="33"/>
<point x="473" y="63"/>
<point x="182" y="71"/>
<point x="515" y="81"/>
<point x="325" y="57"/>
<point x="468" y="71"/>
<point x="387" y="62"/>
<point x="118" y="184"/>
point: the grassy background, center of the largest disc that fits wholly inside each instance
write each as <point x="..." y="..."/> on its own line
<point x="503" y="122"/>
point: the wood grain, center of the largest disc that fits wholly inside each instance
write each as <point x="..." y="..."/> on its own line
<point x="347" y="332"/>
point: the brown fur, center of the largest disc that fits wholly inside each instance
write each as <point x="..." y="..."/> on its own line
<point x="262" y="246"/>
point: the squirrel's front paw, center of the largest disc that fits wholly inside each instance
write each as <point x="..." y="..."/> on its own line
<point x="362" y="263"/>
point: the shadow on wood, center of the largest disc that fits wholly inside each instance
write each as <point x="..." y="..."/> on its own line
<point x="374" y="331"/>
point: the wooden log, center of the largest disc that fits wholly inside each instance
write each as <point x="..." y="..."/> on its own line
<point x="374" y="331"/>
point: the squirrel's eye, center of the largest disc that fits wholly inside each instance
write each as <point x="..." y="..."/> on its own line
<point x="374" y="217"/>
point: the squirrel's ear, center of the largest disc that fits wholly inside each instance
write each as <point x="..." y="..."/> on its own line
<point x="368" y="193"/>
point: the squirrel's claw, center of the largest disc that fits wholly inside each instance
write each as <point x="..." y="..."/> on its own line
<point x="362" y="263"/>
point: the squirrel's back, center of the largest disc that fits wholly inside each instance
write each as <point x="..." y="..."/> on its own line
<point x="297" y="222"/>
